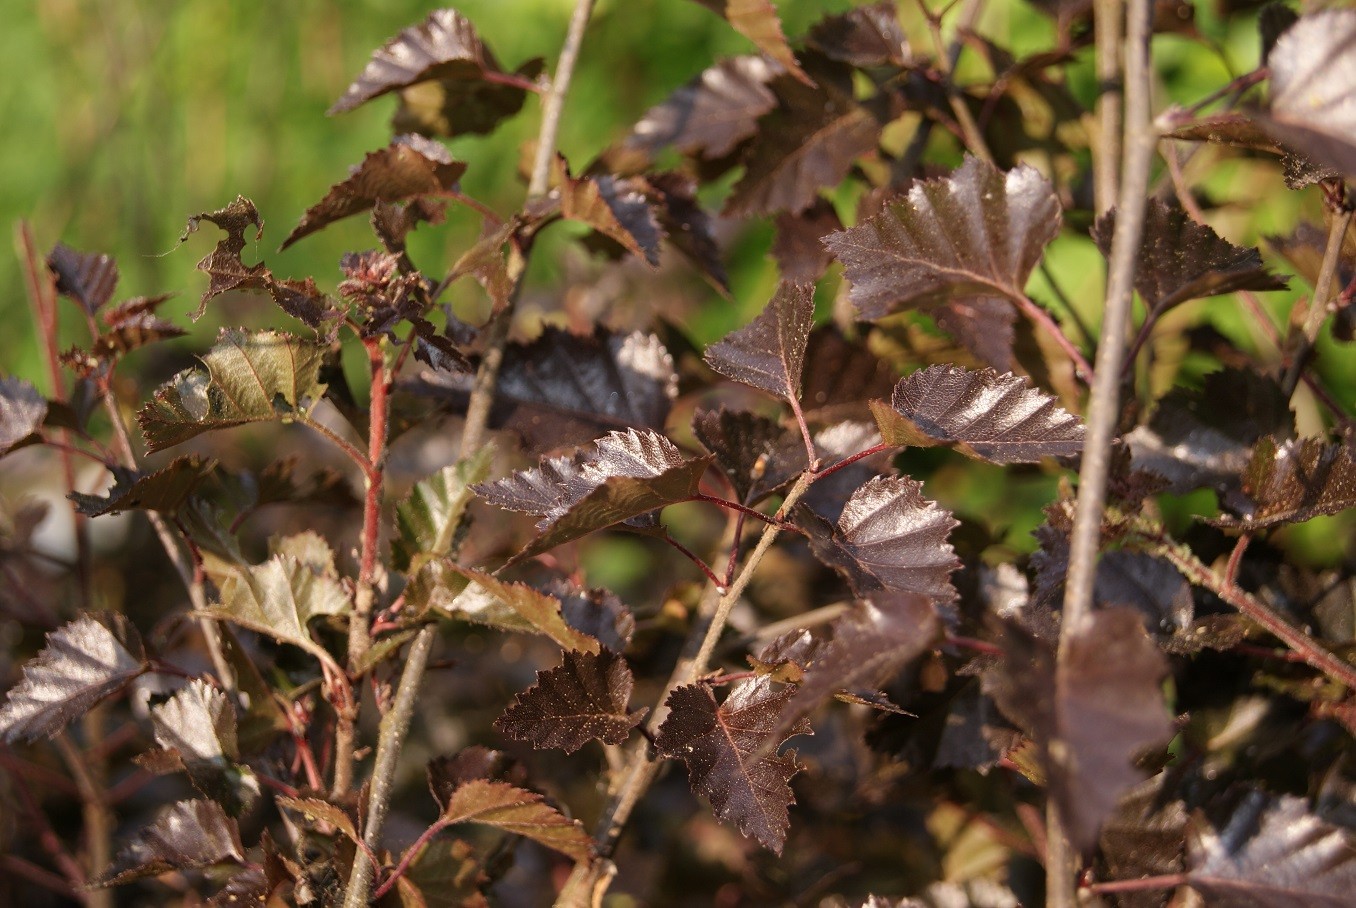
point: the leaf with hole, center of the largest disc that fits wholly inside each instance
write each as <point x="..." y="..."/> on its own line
<point x="979" y="231"/>
<point x="983" y="414"/>
<point x="84" y="662"/>
<point x="583" y="698"/>
<point x="262" y="377"/>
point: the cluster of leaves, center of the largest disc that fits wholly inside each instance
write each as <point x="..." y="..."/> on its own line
<point x="838" y="598"/>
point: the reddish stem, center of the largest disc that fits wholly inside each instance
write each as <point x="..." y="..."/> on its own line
<point x="688" y="554"/>
<point x="975" y="645"/>
<point x="849" y="461"/>
<point x="1166" y="881"/>
<point x="1043" y="319"/>
<point x="1235" y="560"/>
<point x="408" y="857"/>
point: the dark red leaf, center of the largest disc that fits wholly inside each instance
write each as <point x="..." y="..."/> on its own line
<point x="983" y="325"/>
<point x="798" y="251"/>
<point x="622" y="475"/>
<point x="757" y="20"/>
<point x="712" y="114"/>
<point x="89" y="278"/>
<point x="409" y="167"/>
<point x="1296" y="480"/>
<point x="1148" y="584"/>
<point x="584" y="698"/>
<point x="165" y="490"/>
<point x="979" y="231"/>
<point x="1146" y="836"/>
<point x="1091" y="716"/>
<point x="1182" y="260"/>
<point x="758" y="456"/>
<point x="1272" y="852"/>
<point x="686" y="224"/>
<point x="841" y="375"/>
<point x="769" y="352"/>
<point x="808" y="142"/>
<point x="22" y="410"/>
<point x="1313" y="88"/>
<point x="223" y="265"/>
<point x="84" y="662"/>
<point x="719" y="742"/>
<point x="871" y="643"/>
<point x="598" y="613"/>
<point x="618" y="209"/>
<point x="132" y="325"/>
<point x="865" y="36"/>
<point x="889" y="537"/>
<point x="186" y="836"/>
<point x="983" y="415"/>
<point x="451" y="82"/>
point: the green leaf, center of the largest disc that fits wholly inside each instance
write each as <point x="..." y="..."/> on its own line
<point x="278" y="598"/>
<point x="474" y="596"/>
<point x="427" y="520"/>
<point x="246" y="378"/>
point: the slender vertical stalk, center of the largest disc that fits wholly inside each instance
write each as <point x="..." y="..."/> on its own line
<point x="395" y="725"/>
<point x="1108" y="18"/>
<point x="1104" y="405"/>
<point x="1318" y="305"/>
<point x="98" y="821"/>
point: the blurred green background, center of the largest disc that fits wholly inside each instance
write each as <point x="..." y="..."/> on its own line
<point x="123" y="119"/>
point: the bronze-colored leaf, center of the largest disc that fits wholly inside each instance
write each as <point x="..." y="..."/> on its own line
<point x="22" y="410"/>
<point x="514" y="810"/>
<point x="1296" y="480"/>
<point x="89" y="278"/>
<point x="757" y="20"/>
<point x="188" y="835"/>
<point x="769" y="352"/>
<point x="411" y="166"/>
<point x="758" y="456"/>
<point x="164" y="491"/>
<point x="583" y="698"/>
<point x="865" y="36"/>
<point x="712" y="114"/>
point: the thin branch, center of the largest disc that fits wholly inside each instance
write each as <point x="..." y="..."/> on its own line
<point x="849" y="461"/>
<point x="691" y="556"/>
<point x="903" y="169"/>
<point x="1044" y="319"/>
<point x="349" y="449"/>
<point x="1143" y="884"/>
<point x="408" y="857"/>
<point x="1104" y="404"/>
<point x="1108" y="26"/>
<point x="946" y="64"/>
<point x="395" y="724"/>
<point x="1074" y="315"/>
<point x="1318" y="305"/>
<point x="554" y="102"/>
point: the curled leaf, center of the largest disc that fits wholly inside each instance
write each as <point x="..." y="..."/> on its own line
<point x="982" y="414"/>
<point x="583" y="698"/>
<point x="1296" y="480"/>
<point x="409" y="167"/>
<point x="245" y="378"/>
<point x="185" y="836"/>
<point x="84" y="662"/>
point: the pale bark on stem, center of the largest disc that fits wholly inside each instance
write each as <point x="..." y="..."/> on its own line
<point x="1108" y="19"/>
<point x="1318" y="304"/>
<point x="640" y="770"/>
<point x="96" y="817"/>
<point x="1140" y="139"/>
<point x="395" y="724"/>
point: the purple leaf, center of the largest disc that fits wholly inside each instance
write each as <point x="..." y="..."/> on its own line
<point x="583" y="698"/>
<point x="411" y="166"/>
<point x="621" y="476"/>
<point x="797" y="250"/>
<point x="1313" y="88"/>
<point x="978" y="232"/>
<point x="616" y="208"/>
<point x="1296" y="480"/>
<point x="89" y="278"/>
<point x="983" y="415"/>
<point x="758" y="456"/>
<point x="719" y="743"/>
<point x="165" y="490"/>
<point x="712" y="114"/>
<point x="769" y="352"/>
<point x="22" y="410"/>
<point x="865" y="36"/>
<point x="1091" y="716"/>
<point x="599" y="613"/>
<point x="1272" y="852"/>
<point x="808" y="142"/>
<point x="1181" y="260"/>
<point x="185" y="836"/>
<point x="84" y="662"/>
<point x="889" y="537"/>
